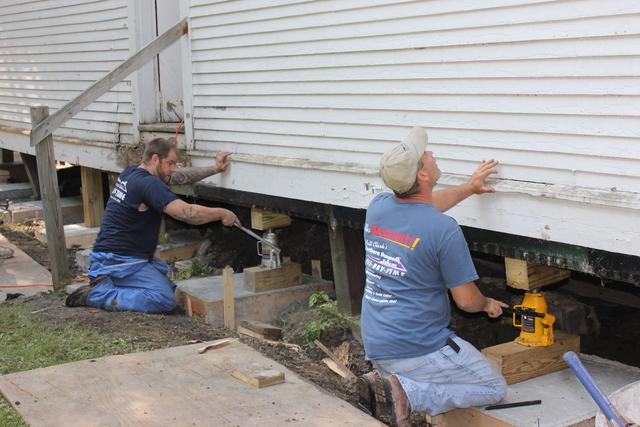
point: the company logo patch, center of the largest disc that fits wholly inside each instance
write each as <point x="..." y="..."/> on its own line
<point x="396" y="237"/>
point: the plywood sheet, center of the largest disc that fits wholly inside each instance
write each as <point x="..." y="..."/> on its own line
<point x="21" y="274"/>
<point x="175" y="386"/>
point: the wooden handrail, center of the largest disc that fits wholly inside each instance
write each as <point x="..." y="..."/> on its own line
<point x="99" y="88"/>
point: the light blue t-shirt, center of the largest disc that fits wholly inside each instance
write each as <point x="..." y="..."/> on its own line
<point x="413" y="255"/>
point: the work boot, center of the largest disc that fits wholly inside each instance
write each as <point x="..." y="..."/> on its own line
<point x="366" y="392"/>
<point x="392" y="402"/>
<point x="78" y="298"/>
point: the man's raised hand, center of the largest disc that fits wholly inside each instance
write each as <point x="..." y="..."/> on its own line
<point x="477" y="181"/>
<point x="222" y="161"/>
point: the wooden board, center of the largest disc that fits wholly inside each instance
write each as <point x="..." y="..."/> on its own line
<point x="259" y="279"/>
<point x="172" y="387"/>
<point x="265" y="330"/>
<point x="262" y="219"/>
<point x="258" y="376"/>
<point x="518" y="363"/>
<point x="229" y="311"/>
<point x="523" y="275"/>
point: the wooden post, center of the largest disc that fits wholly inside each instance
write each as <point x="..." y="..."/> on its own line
<point x="316" y="269"/>
<point x="48" y="178"/>
<point x="229" y="302"/>
<point x="347" y="259"/>
<point x="31" y="167"/>
<point x="92" y="198"/>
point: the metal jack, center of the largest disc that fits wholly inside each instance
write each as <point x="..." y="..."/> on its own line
<point x="271" y="253"/>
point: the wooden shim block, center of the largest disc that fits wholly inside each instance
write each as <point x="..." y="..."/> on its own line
<point x="523" y="275"/>
<point x="316" y="269"/>
<point x="518" y="363"/>
<point x="92" y="200"/>
<point x="257" y="376"/>
<point x="262" y="219"/>
<point x="229" y="301"/>
<point x="259" y="279"/>
<point x="266" y="330"/>
<point x="346" y="372"/>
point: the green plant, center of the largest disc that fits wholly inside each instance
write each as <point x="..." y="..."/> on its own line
<point x="195" y="269"/>
<point x="313" y="329"/>
<point x="318" y="298"/>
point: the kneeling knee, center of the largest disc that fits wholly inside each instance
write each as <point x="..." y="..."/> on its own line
<point x="500" y="390"/>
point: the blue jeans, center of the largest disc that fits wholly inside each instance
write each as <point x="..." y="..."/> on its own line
<point x="444" y="380"/>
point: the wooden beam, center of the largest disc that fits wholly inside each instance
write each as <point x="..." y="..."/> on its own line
<point x="316" y="269"/>
<point x="92" y="197"/>
<point x="518" y="363"/>
<point x="523" y="275"/>
<point x="102" y="86"/>
<point x="262" y="219"/>
<point x="229" y="311"/>
<point x="31" y="167"/>
<point x="48" y="178"/>
<point x="347" y="259"/>
<point x="260" y="279"/>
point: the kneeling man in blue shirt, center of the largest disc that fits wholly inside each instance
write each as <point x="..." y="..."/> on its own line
<point x="416" y="255"/>
<point x="124" y="274"/>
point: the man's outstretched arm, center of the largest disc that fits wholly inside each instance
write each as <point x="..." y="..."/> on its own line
<point x="443" y="200"/>
<point x="192" y="175"/>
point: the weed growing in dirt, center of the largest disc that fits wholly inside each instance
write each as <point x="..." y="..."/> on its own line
<point x="324" y="319"/>
<point x="25" y="344"/>
<point x="196" y="269"/>
<point x="318" y="297"/>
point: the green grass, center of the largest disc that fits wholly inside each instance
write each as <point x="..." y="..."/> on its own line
<point x="26" y="344"/>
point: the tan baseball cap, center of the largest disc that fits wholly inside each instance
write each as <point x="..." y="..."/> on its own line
<point x="398" y="166"/>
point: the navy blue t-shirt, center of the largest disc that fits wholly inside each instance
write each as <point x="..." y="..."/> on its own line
<point x="131" y="221"/>
<point x="414" y="255"/>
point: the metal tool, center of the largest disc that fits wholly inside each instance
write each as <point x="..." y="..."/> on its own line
<point x="536" y="325"/>
<point x="271" y="257"/>
<point x="513" y="405"/>
<point x="592" y="388"/>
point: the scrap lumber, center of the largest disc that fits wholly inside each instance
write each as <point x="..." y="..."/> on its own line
<point x="92" y="199"/>
<point x="229" y="301"/>
<point x="216" y="344"/>
<point x="346" y="372"/>
<point x="517" y="362"/>
<point x="263" y="329"/>
<point x="262" y="219"/>
<point x="260" y="279"/>
<point x="524" y="275"/>
<point x="258" y="376"/>
<point x="250" y="333"/>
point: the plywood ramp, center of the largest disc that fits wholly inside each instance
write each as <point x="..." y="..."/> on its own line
<point x="172" y="387"/>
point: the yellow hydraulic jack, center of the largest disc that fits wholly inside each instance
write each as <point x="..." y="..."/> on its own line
<point x="536" y="325"/>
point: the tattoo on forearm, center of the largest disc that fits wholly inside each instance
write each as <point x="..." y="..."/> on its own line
<point x="191" y="216"/>
<point x="191" y="175"/>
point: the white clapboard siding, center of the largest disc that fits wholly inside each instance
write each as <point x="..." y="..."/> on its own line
<point x="308" y="94"/>
<point x="51" y="51"/>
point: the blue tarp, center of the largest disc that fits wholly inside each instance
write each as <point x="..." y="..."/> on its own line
<point x="130" y="284"/>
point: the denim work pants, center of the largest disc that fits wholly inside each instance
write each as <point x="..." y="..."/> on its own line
<point x="444" y="380"/>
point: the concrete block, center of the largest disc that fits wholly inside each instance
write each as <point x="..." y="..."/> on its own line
<point x="14" y="191"/>
<point x="82" y="259"/>
<point x="206" y="294"/>
<point x="25" y="211"/>
<point x="74" y="235"/>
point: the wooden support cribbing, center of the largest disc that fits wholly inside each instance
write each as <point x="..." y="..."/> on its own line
<point x="260" y="279"/>
<point x="316" y="269"/>
<point x="262" y="219"/>
<point x="48" y="178"/>
<point x="229" y="301"/>
<point x="523" y="275"/>
<point x="92" y="197"/>
<point x="517" y="362"/>
<point x="347" y="258"/>
<point x="31" y="167"/>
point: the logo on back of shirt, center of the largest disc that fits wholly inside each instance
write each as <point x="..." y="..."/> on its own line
<point x="119" y="191"/>
<point x="393" y="236"/>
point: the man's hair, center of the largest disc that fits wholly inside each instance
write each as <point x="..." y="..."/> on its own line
<point x="159" y="146"/>
<point x="415" y="188"/>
